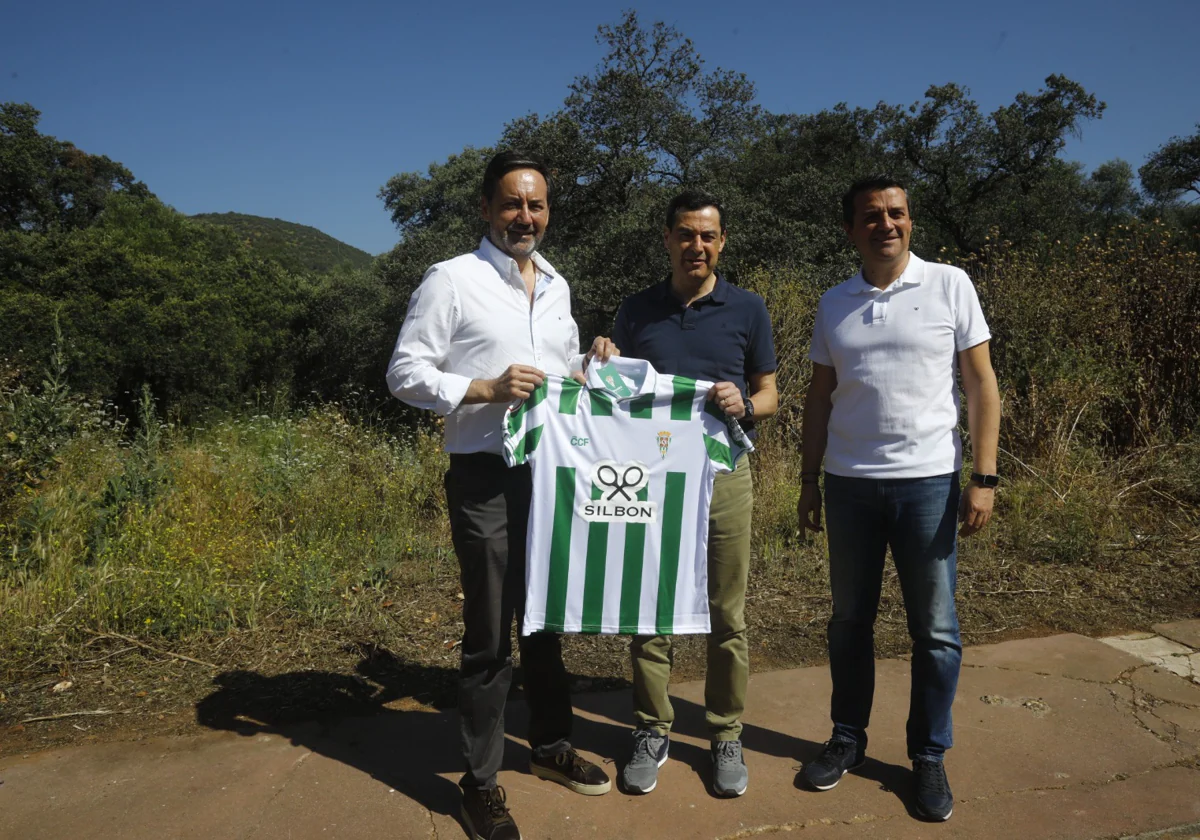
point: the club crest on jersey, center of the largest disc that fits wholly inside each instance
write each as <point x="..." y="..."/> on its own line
<point x="664" y="443"/>
<point x="619" y="485"/>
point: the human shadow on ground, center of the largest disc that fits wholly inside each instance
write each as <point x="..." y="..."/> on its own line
<point x="416" y="752"/>
<point x="347" y="718"/>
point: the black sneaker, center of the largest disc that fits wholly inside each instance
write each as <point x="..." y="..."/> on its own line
<point x="838" y="758"/>
<point x="486" y="816"/>
<point x="935" y="802"/>
<point x="572" y="770"/>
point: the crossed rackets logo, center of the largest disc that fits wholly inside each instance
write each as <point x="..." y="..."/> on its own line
<point x="620" y="482"/>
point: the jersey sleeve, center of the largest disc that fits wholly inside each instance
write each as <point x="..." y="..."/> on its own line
<point x="523" y="425"/>
<point x="724" y="440"/>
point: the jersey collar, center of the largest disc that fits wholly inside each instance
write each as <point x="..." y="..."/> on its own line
<point x="623" y="379"/>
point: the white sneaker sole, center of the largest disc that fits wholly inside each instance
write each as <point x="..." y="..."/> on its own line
<point x="578" y="787"/>
<point x="928" y="817"/>
<point x="839" y="778"/>
<point x="730" y="794"/>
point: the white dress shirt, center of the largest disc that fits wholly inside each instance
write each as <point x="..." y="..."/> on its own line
<point x="470" y="319"/>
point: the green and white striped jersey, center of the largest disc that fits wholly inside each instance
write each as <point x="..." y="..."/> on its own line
<point x="622" y="482"/>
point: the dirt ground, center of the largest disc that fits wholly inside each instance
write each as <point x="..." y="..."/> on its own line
<point x="122" y="688"/>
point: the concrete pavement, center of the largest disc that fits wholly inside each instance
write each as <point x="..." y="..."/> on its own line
<point x="1061" y="737"/>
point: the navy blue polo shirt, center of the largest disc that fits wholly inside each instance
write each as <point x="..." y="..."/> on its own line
<point x="724" y="336"/>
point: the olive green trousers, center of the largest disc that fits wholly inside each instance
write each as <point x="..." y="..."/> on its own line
<point x="728" y="653"/>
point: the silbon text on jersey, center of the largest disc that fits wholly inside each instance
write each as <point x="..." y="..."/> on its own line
<point x="618" y="486"/>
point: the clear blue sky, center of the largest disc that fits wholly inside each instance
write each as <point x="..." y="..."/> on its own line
<point x="303" y="110"/>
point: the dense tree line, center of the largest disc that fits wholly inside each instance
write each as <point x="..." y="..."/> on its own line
<point x="651" y="119"/>
<point x="145" y="295"/>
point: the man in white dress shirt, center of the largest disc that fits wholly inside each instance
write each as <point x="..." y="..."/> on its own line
<point x="482" y="330"/>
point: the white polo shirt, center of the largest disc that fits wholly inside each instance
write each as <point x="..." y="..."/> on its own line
<point x="895" y="351"/>
<point x="470" y="319"/>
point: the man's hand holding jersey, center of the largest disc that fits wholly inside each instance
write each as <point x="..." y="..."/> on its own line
<point x="603" y="349"/>
<point x="728" y="398"/>
<point x="516" y="383"/>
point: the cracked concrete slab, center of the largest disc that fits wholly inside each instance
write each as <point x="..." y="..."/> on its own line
<point x="1047" y="745"/>
<point x="1148" y="646"/>
<point x="1184" y="632"/>
<point x="201" y="787"/>
<point x="1069" y="655"/>
<point x="1180" y="716"/>
<point x="1182" y="832"/>
<point x="1165" y="685"/>
<point x="1177" y="658"/>
<point x="326" y="797"/>
<point x="1131" y="806"/>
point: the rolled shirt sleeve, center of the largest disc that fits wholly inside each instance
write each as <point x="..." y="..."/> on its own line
<point x="414" y="373"/>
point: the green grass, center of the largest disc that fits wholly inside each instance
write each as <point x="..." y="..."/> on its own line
<point x="220" y="528"/>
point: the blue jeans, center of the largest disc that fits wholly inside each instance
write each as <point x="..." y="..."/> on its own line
<point x="918" y="518"/>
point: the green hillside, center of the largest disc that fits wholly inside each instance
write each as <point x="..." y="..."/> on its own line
<point x="295" y="247"/>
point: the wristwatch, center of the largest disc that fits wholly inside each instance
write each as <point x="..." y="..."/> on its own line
<point x="985" y="480"/>
<point x="749" y="406"/>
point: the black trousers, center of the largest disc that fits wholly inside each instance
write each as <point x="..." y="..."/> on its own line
<point x="489" y="512"/>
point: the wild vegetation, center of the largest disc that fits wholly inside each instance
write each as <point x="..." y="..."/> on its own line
<point x="198" y="457"/>
<point x="298" y="248"/>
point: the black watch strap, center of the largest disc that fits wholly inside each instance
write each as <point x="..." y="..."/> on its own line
<point x="985" y="480"/>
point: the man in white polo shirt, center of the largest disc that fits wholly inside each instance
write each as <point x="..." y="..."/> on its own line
<point x="882" y="411"/>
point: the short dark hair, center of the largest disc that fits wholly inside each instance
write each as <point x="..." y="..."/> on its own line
<point x="874" y="183"/>
<point x="504" y="162"/>
<point x="693" y="200"/>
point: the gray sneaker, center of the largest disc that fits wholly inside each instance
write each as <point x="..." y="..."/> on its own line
<point x="730" y="776"/>
<point x="649" y="753"/>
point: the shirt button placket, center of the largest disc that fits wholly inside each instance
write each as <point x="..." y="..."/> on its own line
<point x="534" y="337"/>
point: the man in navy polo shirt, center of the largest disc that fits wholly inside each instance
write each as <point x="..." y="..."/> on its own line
<point x="696" y="324"/>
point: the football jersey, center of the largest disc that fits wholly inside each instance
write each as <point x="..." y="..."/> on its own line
<point x="622" y="482"/>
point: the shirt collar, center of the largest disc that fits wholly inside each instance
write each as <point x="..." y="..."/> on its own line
<point x="914" y="274"/>
<point x="506" y="266"/>
<point x="719" y="294"/>
<point x="637" y="377"/>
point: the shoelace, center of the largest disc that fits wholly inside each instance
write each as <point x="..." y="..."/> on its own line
<point x="495" y="802"/>
<point x="931" y="778"/>
<point x="641" y="745"/>
<point x="569" y="759"/>
<point x="836" y="750"/>
<point x="728" y="752"/>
